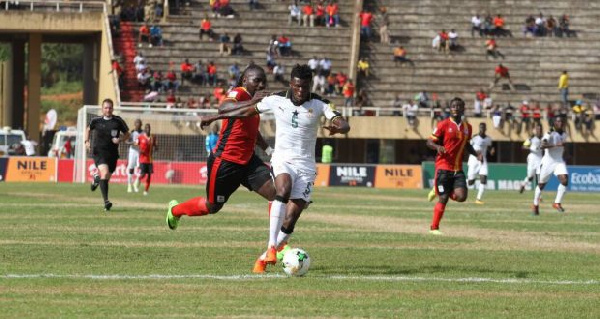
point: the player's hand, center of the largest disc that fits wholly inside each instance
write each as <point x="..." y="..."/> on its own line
<point x="206" y="120"/>
<point x="480" y="157"/>
<point x="259" y="95"/>
<point x="116" y="140"/>
<point x="440" y="149"/>
<point x="87" y="145"/>
<point x="333" y="129"/>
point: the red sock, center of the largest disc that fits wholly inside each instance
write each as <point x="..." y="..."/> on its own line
<point x="438" y="212"/>
<point x="148" y="182"/>
<point x="193" y="207"/>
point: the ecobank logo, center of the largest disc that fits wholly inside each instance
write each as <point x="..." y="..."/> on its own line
<point x="585" y="179"/>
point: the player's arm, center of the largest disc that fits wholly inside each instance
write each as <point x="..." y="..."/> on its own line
<point x="434" y="139"/>
<point x="338" y="125"/>
<point x="155" y="142"/>
<point x="473" y="152"/>
<point x="262" y="143"/>
<point x="86" y="136"/>
<point x="231" y="108"/>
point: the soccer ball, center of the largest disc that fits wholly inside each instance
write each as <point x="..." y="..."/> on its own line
<point x="296" y="262"/>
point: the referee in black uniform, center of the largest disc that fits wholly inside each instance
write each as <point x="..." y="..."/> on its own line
<point x="109" y="131"/>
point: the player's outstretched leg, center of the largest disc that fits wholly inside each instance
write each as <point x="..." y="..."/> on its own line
<point x="438" y="213"/>
<point x="196" y="206"/>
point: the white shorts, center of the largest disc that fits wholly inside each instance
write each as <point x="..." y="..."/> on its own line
<point x="302" y="180"/>
<point x="475" y="168"/>
<point x="533" y="165"/>
<point x="547" y="168"/>
<point x="133" y="159"/>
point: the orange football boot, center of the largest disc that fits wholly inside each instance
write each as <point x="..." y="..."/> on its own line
<point x="259" y="266"/>
<point x="271" y="256"/>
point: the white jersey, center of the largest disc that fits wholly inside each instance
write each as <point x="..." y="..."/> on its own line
<point x="133" y="139"/>
<point x="296" y="127"/>
<point x="535" y="146"/>
<point x="554" y="154"/>
<point x="480" y="144"/>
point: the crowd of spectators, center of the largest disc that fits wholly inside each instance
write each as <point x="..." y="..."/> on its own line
<point x="541" y="26"/>
<point x="319" y="13"/>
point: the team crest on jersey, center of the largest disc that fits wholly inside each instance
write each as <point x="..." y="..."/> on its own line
<point x="450" y="130"/>
<point x="466" y="130"/>
<point x="310" y="112"/>
<point x="232" y="94"/>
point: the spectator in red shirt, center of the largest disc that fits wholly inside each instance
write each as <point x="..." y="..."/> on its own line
<point x="211" y="70"/>
<point x="320" y="14"/>
<point x="525" y="117"/>
<point x="341" y="80"/>
<point x="444" y="41"/>
<point x="206" y="28"/>
<point x="171" y="82"/>
<point x="171" y="99"/>
<point x="285" y="45"/>
<point x="348" y="92"/>
<point x="116" y="68"/>
<point x="365" y="24"/>
<point x="332" y="17"/>
<point x="499" y="29"/>
<point x="187" y="70"/>
<point x="308" y="15"/>
<point x="144" y="35"/>
<point x="501" y="72"/>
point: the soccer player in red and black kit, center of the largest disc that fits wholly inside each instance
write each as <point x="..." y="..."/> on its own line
<point x="109" y="131"/>
<point x="450" y="140"/>
<point x="147" y="144"/>
<point x="232" y="162"/>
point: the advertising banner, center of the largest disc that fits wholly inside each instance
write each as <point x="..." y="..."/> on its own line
<point x="164" y="172"/>
<point x="3" y="165"/>
<point x="500" y="176"/>
<point x="398" y="176"/>
<point x="31" y="169"/>
<point x="65" y="170"/>
<point x="322" y="175"/>
<point x="352" y="175"/>
<point x="581" y="179"/>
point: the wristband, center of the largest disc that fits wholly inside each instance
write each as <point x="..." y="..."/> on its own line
<point x="269" y="151"/>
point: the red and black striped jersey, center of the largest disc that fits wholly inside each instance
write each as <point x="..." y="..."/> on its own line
<point x="453" y="137"/>
<point x="238" y="135"/>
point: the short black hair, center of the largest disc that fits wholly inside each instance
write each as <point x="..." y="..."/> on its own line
<point x="459" y="101"/>
<point x="303" y="72"/>
<point x="251" y="67"/>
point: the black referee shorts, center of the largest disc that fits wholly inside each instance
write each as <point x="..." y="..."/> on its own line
<point x="107" y="159"/>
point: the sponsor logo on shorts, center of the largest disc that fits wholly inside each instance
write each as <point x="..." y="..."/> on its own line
<point x="220" y="199"/>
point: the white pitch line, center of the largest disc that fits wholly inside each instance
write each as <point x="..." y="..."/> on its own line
<point x="334" y="277"/>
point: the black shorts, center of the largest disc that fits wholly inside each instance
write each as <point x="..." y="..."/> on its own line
<point x="225" y="177"/>
<point x="146" y="168"/>
<point x="448" y="181"/>
<point x="107" y="159"/>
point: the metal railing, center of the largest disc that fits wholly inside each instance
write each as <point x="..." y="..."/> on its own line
<point x="54" y="6"/>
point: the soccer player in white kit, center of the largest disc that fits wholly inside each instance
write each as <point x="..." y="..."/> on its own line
<point x="481" y="143"/>
<point x="534" y="146"/>
<point x="553" y="163"/>
<point x="133" y="158"/>
<point x="297" y="119"/>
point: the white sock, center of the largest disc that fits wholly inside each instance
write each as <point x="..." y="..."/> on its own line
<point x="282" y="238"/>
<point x="129" y="179"/>
<point x="525" y="182"/>
<point x="536" y="196"/>
<point x="275" y="221"/>
<point x="560" y="193"/>
<point x="137" y="179"/>
<point x="480" y="192"/>
<point x="263" y="256"/>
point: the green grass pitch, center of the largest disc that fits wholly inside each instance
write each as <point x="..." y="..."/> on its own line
<point x="61" y="255"/>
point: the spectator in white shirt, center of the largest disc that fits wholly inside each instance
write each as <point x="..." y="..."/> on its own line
<point x="139" y="58"/>
<point x="453" y="38"/>
<point x="295" y="13"/>
<point x="476" y="26"/>
<point x="313" y="63"/>
<point x="29" y="146"/>
<point x="325" y="67"/>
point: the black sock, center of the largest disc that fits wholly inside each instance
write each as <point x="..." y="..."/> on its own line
<point x="104" y="189"/>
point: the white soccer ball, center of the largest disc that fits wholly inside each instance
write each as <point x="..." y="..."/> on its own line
<point x="296" y="262"/>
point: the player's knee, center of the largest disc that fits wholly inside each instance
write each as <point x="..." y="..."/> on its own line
<point x="565" y="182"/>
<point x="131" y="171"/>
<point x="471" y="182"/>
<point x="461" y="199"/>
<point x="284" y="199"/>
<point x="214" y="208"/>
